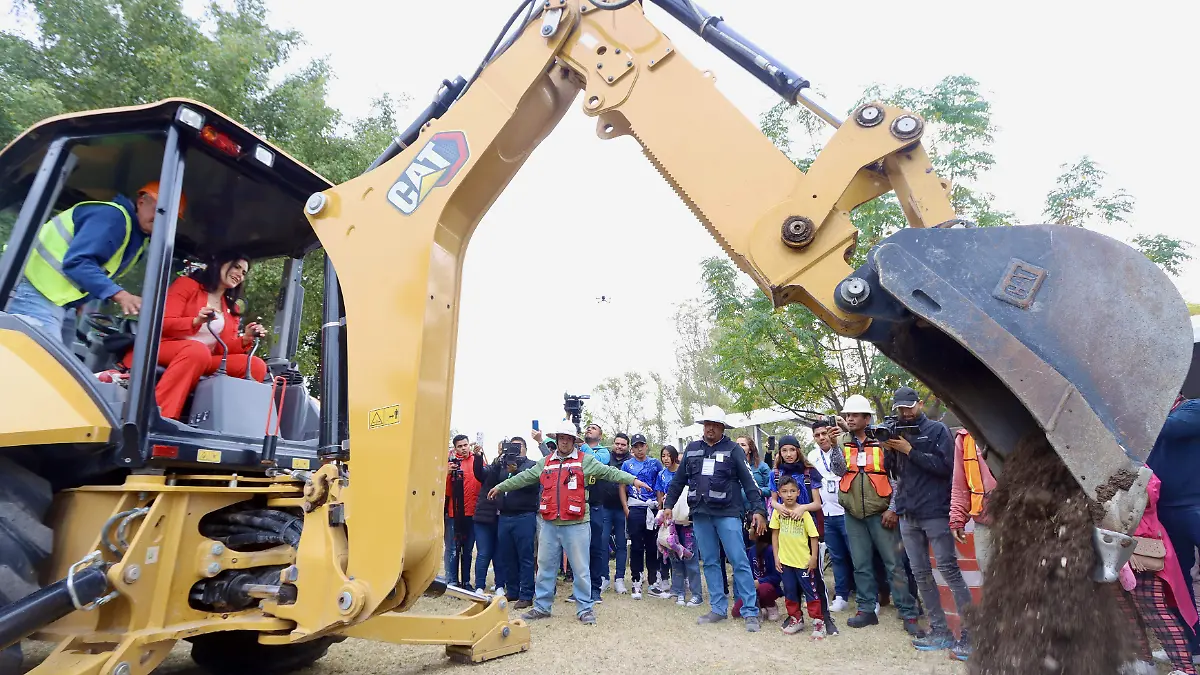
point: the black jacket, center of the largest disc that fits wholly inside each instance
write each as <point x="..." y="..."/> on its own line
<point x="606" y="493"/>
<point x="512" y="503"/>
<point x="696" y="451"/>
<point x="924" y="475"/>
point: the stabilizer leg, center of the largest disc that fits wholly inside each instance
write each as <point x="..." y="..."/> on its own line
<point x="479" y="633"/>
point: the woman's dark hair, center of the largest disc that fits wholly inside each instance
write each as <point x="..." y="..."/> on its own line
<point x="754" y="457"/>
<point x="210" y="278"/>
<point x="670" y="450"/>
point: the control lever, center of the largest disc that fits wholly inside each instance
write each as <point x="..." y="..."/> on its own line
<point x="224" y="347"/>
<point x="250" y="358"/>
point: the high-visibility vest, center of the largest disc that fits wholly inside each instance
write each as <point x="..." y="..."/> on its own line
<point x="974" y="475"/>
<point x="44" y="269"/>
<point x="874" y="469"/>
<point x="564" y="496"/>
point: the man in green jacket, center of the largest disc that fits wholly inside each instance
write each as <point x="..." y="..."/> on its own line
<point x="563" y="476"/>
<point x="867" y="491"/>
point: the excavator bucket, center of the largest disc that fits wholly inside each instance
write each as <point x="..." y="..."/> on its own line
<point x="1036" y="339"/>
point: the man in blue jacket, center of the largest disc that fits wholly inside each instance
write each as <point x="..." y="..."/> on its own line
<point x="924" y="465"/>
<point x="712" y="469"/>
<point x="1175" y="459"/>
<point x="79" y="252"/>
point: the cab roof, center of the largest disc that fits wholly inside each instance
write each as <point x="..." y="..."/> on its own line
<point x="234" y="203"/>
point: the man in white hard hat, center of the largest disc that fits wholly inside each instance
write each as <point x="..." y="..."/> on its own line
<point x="563" y="507"/>
<point x="867" y="491"/>
<point x="715" y="471"/>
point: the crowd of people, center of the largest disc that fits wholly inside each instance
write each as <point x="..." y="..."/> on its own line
<point x="885" y="503"/>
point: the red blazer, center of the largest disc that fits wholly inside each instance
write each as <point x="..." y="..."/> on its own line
<point x="185" y="297"/>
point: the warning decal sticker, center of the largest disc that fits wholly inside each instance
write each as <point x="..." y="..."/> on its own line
<point x="383" y="417"/>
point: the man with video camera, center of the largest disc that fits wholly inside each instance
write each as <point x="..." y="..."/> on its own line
<point x="516" y="527"/>
<point x="924" y="466"/>
<point x="462" y="494"/>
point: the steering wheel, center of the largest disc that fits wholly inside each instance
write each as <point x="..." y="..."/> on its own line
<point x="104" y="324"/>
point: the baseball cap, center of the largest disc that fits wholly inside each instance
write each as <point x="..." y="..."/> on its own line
<point x="637" y="438"/>
<point x="906" y="397"/>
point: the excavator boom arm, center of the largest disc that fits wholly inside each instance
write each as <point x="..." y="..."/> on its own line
<point x="989" y="300"/>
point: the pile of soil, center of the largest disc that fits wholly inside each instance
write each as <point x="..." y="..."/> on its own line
<point x="1041" y="613"/>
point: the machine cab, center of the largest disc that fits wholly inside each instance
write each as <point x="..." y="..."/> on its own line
<point x="242" y="194"/>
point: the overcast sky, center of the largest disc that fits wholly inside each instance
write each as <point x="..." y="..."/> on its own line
<point x="1066" y="78"/>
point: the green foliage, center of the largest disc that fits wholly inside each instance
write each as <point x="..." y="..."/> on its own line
<point x="1080" y="200"/>
<point x="1166" y="252"/>
<point x="90" y="54"/>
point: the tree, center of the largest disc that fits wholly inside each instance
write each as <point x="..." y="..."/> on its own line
<point x="619" y="403"/>
<point x="1079" y="200"/>
<point x="89" y="54"/>
<point x="697" y="382"/>
<point x="788" y="357"/>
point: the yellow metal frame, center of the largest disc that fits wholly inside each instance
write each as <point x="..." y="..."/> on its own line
<point x="371" y="544"/>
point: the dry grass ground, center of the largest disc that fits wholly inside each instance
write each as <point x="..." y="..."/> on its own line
<point x="655" y="635"/>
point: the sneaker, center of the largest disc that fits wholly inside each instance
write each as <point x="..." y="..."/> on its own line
<point x="962" y="651"/>
<point x="862" y="620"/>
<point x="839" y="604"/>
<point x="604" y="584"/>
<point x="711" y="617"/>
<point x="522" y="604"/>
<point x="681" y="602"/>
<point x="933" y="641"/>
<point x="637" y="591"/>
<point x="569" y="598"/>
<point x="587" y="618"/>
<point x="752" y="624"/>
<point x="913" y="628"/>
<point x="535" y="614"/>
<point x="818" y="629"/>
<point x="619" y="584"/>
<point x="792" y="625"/>
<point x="501" y="591"/>
<point x="695" y="601"/>
<point x="599" y="600"/>
<point x="772" y="614"/>
<point x="662" y="595"/>
<point x="877" y="606"/>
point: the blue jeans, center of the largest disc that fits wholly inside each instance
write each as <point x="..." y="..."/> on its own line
<point x="458" y="568"/>
<point x="606" y="524"/>
<point x="553" y="540"/>
<point x="919" y="535"/>
<point x="839" y="550"/>
<point x="688" y="570"/>
<point x="712" y="534"/>
<point x="867" y="536"/>
<point x="514" y="552"/>
<point x="29" y="302"/>
<point x="485" y="554"/>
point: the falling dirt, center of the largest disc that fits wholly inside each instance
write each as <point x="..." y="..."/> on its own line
<point x="1041" y="613"/>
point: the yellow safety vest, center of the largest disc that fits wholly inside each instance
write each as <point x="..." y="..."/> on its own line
<point x="974" y="475"/>
<point x="44" y="269"/>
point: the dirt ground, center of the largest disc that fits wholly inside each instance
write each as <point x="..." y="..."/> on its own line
<point x="655" y="635"/>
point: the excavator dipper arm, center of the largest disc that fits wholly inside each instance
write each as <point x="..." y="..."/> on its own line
<point x="1016" y="328"/>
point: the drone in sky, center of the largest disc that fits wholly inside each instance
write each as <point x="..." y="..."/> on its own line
<point x="604" y="298"/>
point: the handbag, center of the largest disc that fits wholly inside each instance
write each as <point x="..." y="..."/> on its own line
<point x="681" y="511"/>
<point x="1149" y="555"/>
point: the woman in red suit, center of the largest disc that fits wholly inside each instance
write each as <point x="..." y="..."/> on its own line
<point x="188" y="349"/>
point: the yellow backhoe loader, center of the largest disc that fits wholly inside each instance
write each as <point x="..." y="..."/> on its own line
<point x="122" y="532"/>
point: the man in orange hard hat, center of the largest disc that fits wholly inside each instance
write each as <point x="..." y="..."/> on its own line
<point x="79" y="252"/>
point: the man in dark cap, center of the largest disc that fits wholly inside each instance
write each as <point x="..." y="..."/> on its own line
<point x="924" y="466"/>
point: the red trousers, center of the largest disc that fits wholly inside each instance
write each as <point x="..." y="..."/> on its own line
<point x="187" y="361"/>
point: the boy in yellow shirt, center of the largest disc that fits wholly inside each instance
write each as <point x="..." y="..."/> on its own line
<point x="795" y="543"/>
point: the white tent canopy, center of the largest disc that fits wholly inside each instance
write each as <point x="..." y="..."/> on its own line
<point x="751" y="420"/>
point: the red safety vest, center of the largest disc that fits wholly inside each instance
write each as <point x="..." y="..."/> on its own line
<point x="874" y="469"/>
<point x="564" y="495"/>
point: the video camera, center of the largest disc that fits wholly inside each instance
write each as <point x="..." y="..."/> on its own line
<point x="573" y="406"/>
<point x="891" y="428"/>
